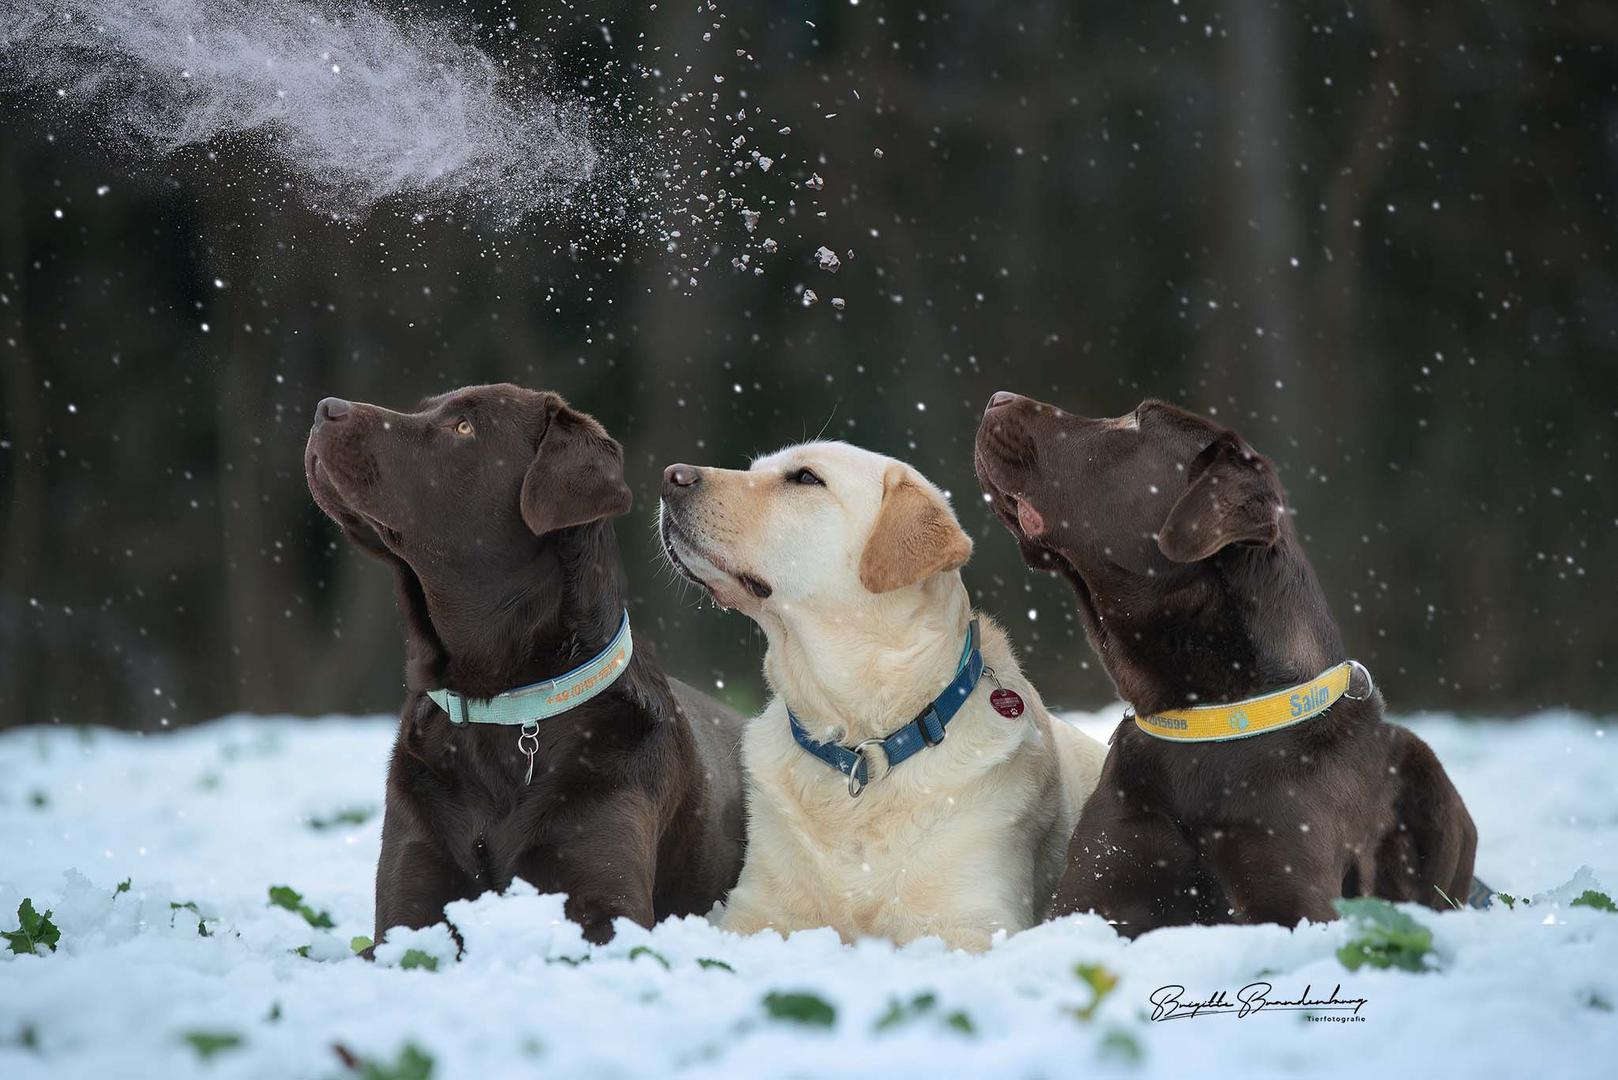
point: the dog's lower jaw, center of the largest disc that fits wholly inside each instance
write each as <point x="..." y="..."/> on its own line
<point x="1032" y="522"/>
<point x="719" y="583"/>
<point x="378" y="538"/>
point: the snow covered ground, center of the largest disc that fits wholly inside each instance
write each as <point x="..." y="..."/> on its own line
<point x="216" y="815"/>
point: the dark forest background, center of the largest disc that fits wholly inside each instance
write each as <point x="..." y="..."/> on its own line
<point x="1377" y="237"/>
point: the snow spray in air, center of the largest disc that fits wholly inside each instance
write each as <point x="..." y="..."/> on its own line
<point x="363" y="106"/>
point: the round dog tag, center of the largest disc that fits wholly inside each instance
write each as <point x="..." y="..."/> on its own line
<point x="1007" y="703"/>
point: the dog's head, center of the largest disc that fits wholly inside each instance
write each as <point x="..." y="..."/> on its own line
<point x="478" y="473"/>
<point x="1138" y="511"/>
<point x="461" y="495"/>
<point x="822" y="527"/>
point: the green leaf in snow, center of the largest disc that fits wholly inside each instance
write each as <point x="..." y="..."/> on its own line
<point x="412" y="1063"/>
<point x="209" y="1043"/>
<point x="415" y="958"/>
<point x="1591" y="899"/>
<point x="1385" y="936"/>
<point x="284" y="896"/>
<point x="33" y="930"/>
<point x="800" y="1007"/>
<point x="642" y="950"/>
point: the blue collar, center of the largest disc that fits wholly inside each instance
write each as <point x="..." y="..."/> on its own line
<point x="927" y="729"/>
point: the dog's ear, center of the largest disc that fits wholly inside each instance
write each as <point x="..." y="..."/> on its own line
<point x="915" y="536"/>
<point x="1233" y="498"/>
<point x="577" y="475"/>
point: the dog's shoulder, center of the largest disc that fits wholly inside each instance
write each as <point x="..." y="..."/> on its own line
<point x="1001" y="664"/>
<point x="716" y="733"/>
<point x="709" y="717"/>
<point x="768" y="748"/>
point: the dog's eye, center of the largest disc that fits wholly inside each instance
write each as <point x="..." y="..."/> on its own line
<point x="464" y="427"/>
<point x="805" y="476"/>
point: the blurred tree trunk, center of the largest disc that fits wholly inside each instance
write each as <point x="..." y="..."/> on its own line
<point x="1256" y="349"/>
<point x="254" y="598"/>
<point x="25" y="502"/>
<point x="1351" y="184"/>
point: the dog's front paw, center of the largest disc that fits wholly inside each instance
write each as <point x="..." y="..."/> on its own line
<point x="595" y="917"/>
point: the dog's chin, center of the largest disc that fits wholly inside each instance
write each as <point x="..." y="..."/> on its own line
<point x="327" y="488"/>
<point x="1036" y="555"/>
<point x="1025" y="523"/>
<point x="730" y="589"/>
<point x="1034" y="542"/>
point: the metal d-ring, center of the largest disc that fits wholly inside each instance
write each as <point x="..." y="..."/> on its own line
<point x="1370" y="683"/>
<point x="856" y="786"/>
<point x="528" y="743"/>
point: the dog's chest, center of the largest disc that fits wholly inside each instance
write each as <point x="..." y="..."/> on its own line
<point x="540" y="842"/>
<point x="1274" y="785"/>
<point x="884" y="852"/>
<point x="500" y="829"/>
<point x="861" y="866"/>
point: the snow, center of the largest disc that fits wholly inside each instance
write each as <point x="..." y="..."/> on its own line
<point x="218" y="813"/>
<point x="413" y="109"/>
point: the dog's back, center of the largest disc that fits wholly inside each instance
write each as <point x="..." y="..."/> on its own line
<point x="716" y="730"/>
<point x="1435" y="849"/>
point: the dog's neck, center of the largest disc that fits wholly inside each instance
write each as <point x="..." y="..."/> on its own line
<point x="863" y="677"/>
<point x="1250" y="622"/>
<point x="519" y="624"/>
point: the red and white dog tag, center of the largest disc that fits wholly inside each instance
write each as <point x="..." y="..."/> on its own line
<point x="1007" y="703"/>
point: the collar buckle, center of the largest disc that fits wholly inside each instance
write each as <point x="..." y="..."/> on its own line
<point x="926" y="730"/>
<point x="857" y="786"/>
<point x="528" y="743"/>
<point x="1370" y="683"/>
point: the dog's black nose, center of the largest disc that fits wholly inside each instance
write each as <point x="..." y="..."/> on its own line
<point x="999" y="398"/>
<point x="332" y="408"/>
<point x="676" y="477"/>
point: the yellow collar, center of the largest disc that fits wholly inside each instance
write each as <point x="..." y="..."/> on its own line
<point x="1255" y="716"/>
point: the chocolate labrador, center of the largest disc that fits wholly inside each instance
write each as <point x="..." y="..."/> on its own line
<point x="1256" y="780"/>
<point x="600" y="778"/>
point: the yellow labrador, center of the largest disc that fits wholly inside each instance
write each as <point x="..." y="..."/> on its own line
<point x="850" y="562"/>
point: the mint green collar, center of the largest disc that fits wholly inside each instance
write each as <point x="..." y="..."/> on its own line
<point x="527" y="705"/>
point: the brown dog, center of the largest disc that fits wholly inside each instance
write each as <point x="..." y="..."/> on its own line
<point x="1195" y="592"/>
<point x="492" y="506"/>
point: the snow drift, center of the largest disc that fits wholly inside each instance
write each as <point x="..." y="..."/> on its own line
<point x="193" y="971"/>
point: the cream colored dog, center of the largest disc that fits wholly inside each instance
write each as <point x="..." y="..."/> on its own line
<point x="850" y="562"/>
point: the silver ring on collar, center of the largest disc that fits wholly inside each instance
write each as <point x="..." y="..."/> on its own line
<point x="1370" y="683"/>
<point x="856" y="786"/>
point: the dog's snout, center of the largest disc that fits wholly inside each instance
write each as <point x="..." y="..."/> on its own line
<point x="332" y="408"/>
<point x="999" y="398"/>
<point x="680" y="477"/>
